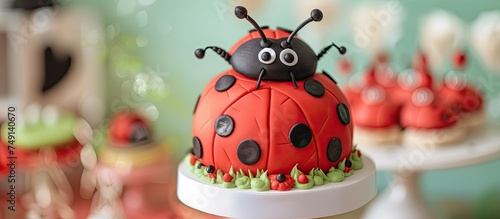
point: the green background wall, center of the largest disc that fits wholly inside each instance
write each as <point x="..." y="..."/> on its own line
<point x="175" y="28"/>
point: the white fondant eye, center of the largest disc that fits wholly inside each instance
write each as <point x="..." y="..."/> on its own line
<point x="289" y="57"/>
<point x="422" y="96"/>
<point x="409" y="79"/>
<point x="455" y="80"/>
<point x="373" y="95"/>
<point x="267" y="55"/>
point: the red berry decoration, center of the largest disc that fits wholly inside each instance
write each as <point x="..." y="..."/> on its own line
<point x="345" y="66"/>
<point x="210" y="169"/>
<point x="192" y="160"/>
<point x="348" y="166"/>
<point x="348" y="169"/>
<point x="459" y="59"/>
<point x="129" y="128"/>
<point x="382" y="58"/>
<point x="359" y="153"/>
<point x="281" y="182"/>
<point x="281" y="177"/>
<point x="227" y="177"/>
<point x="302" y="179"/>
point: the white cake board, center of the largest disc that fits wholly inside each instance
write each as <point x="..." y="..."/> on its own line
<point x="319" y="201"/>
<point x="402" y="199"/>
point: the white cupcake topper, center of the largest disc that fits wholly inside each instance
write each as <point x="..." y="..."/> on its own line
<point x="440" y="32"/>
<point x="485" y="39"/>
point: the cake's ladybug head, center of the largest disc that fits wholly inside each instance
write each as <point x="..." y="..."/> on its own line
<point x="127" y="129"/>
<point x="277" y="58"/>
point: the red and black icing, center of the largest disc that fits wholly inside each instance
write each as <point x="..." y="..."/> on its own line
<point x="375" y="108"/>
<point x="456" y="91"/>
<point x="128" y="128"/>
<point x="425" y="112"/>
<point x="271" y="111"/>
<point x="281" y="182"/>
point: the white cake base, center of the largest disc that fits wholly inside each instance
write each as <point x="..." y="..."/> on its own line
<point x="319" y="201"/>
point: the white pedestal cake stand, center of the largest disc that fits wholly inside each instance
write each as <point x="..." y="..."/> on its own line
<point x="403" y="198"/>
<point x="319" y="201"/>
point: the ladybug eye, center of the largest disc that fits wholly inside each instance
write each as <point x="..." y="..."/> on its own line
<point x="267" y="56"/>
<point x="422" y="97"/>
<point x="409" y="79"/>
<point x="289" y="57"/>
<point x="455" y="80"/>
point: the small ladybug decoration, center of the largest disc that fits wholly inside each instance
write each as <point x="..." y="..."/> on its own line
<point x="129" y="128"/>
<point x="271" y="110"/>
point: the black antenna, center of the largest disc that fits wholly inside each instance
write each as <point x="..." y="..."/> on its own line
<point x="342" y="50"/>
<point x="30" y="5"/>
<point x="241" y="12"/>
<point x="200" y="53"/>
<point x="316" y="15"/>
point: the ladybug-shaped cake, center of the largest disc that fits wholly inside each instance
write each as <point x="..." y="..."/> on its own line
<point x="271" y="111"/>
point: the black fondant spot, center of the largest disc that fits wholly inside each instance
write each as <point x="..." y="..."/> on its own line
<point x="224" y="125"/>
<point x="224" y="83"/>
<point x="140" y="133"/>
<point x="300" y="135"/>
<point x="248" y="152"/>
<point x="200" y="165"/>
<point x="196" y="106"/>
<point x="210" y="169"/>
<point x="331" y="78"/>
<point x="334" y="150"/>
<point x="314" y="87"/>
<point x="343" y="114"/>
<point x="281" y="177"/>
<point x="348" y="163"/>
<point x="197" y="148"/>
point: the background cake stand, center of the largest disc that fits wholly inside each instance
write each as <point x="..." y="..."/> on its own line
<point x="402" y="199"/>
<point x="319" y="201"/>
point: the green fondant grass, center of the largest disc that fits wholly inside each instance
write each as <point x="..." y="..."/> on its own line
<point x="39" y="135"/>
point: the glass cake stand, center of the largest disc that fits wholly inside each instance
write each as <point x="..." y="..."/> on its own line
<point x="402" y="199"/>
<point x="319" y="201"/>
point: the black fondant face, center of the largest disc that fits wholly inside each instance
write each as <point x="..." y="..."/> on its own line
<point x="250" y="58"/>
